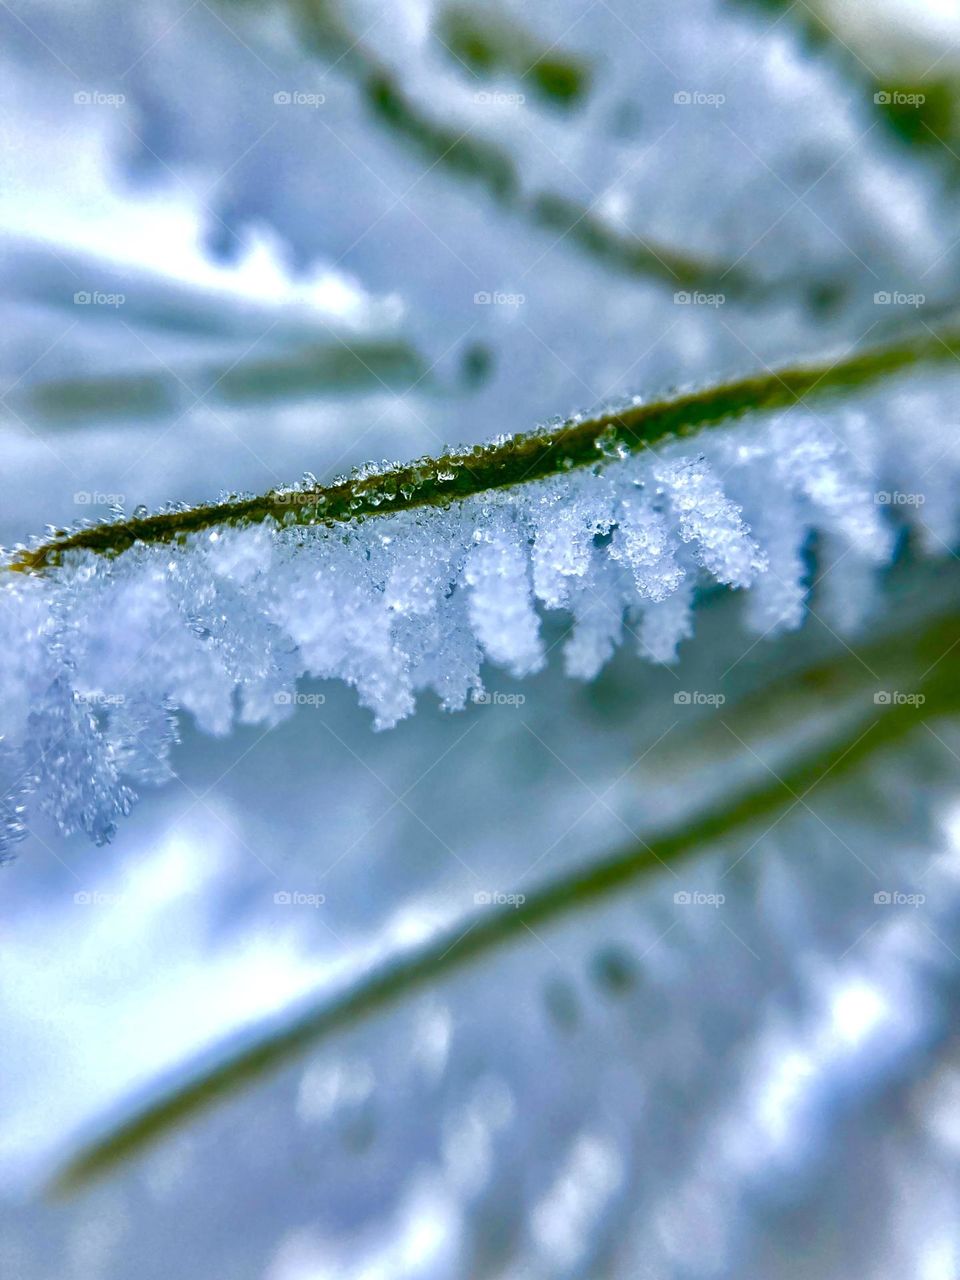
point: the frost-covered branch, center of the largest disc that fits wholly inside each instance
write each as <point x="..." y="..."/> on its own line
<point x="217" y="611"/>
<point x="581" y="441"/>
<point x="456" y="150"/>
<point x="917" y="103"/>
<point x="915" y="655"/>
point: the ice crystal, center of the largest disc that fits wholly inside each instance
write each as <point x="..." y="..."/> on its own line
<point x="727" y="1090"/>
<point x="103" y="650"/>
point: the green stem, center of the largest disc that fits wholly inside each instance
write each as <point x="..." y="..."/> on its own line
<point x="455" y="150"/>
<point x="918" y="108"/>
<point x="917" y="653"/>
<point x="432" y="482"/>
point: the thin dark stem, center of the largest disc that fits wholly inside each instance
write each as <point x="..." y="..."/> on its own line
<point x="456" y="151"/>
<point x="917" y="105"/>
<point x="834" y="754"/>
<point x="432" y="482"/>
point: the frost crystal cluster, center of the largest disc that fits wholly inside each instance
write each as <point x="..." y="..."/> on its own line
<point x="103" y="652"/>
<point x="293" y="1023"/>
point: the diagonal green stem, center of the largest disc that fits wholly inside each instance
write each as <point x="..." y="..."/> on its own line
<point x="873" y="727"/>
<point x="456" y="151"/>
<point x="919" y="109"/>
<point x="430" y="482"/>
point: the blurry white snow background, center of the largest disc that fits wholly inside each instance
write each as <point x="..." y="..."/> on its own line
<point x="243" y="242"/>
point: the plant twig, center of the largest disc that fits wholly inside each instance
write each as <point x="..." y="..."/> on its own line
<point x="579" y="442"/>
<point x="456" y="151"/>
<point x="832" y="755"/>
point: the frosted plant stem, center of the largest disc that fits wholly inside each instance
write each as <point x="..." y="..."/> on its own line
<point x="876" y="726"/>
<point x="495" y="169"/>
<point x="578" y="442"/>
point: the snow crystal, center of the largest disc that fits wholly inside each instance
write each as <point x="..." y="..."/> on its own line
<point x="102" y="652"/>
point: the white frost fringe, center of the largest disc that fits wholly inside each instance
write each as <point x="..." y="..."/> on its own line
<point x="100" y="653"/>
